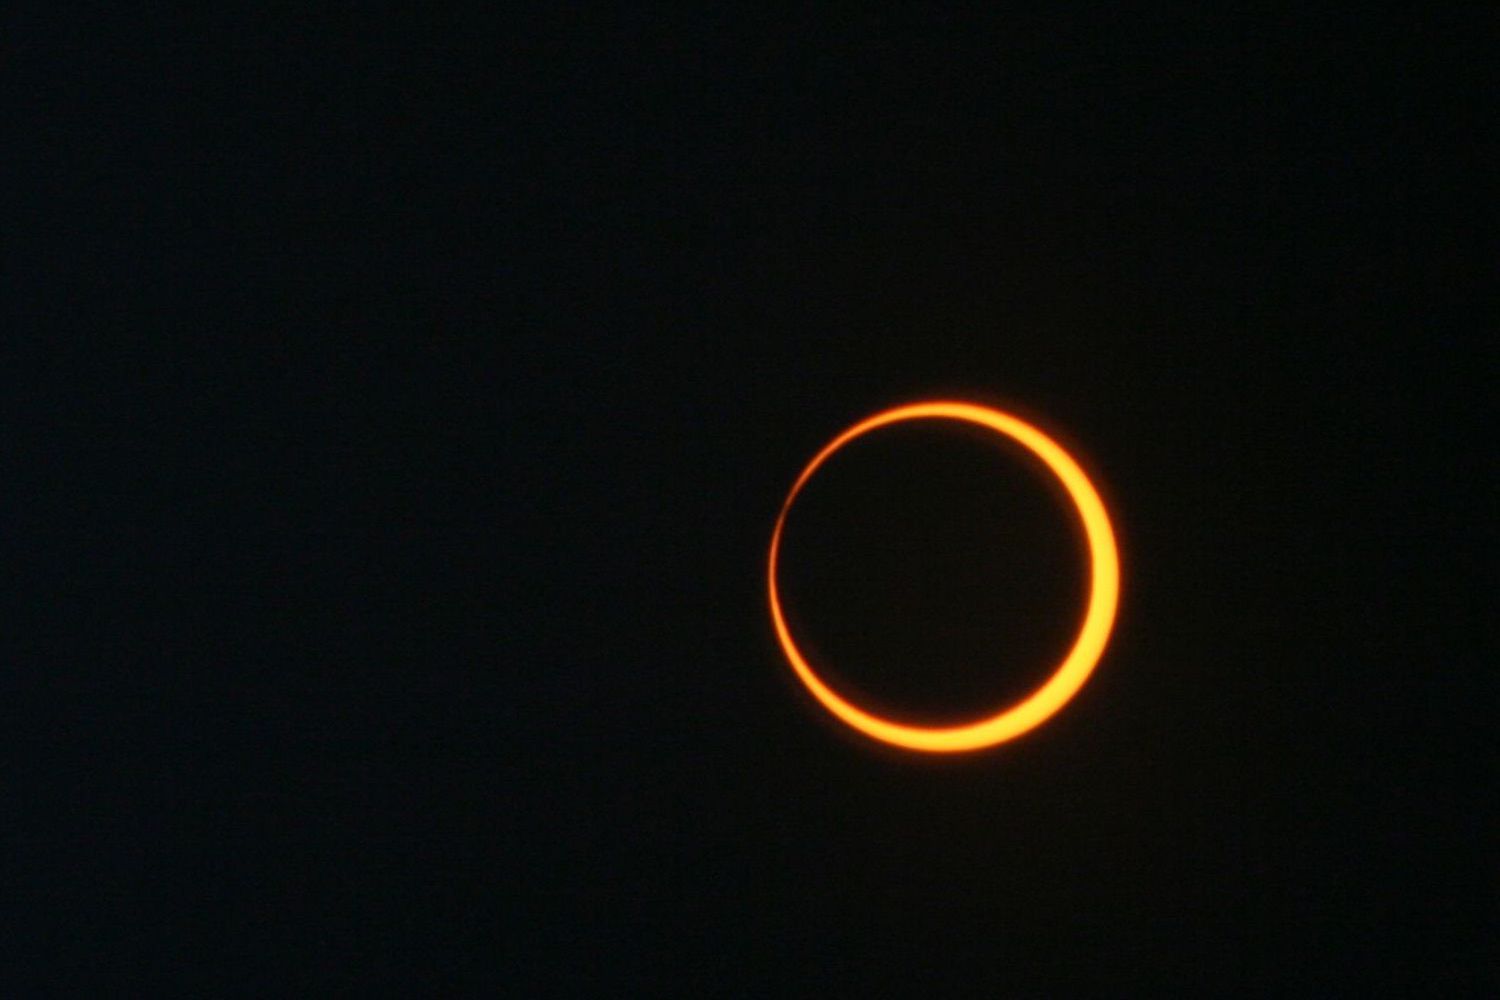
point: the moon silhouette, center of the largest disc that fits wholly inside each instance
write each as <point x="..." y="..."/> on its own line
<point x="1076" y="666"/>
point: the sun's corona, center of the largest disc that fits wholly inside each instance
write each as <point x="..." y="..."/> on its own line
<point x="1093" y="634"/>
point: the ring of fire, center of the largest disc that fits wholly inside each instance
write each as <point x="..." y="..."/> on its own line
<point x="1104" y="592"/>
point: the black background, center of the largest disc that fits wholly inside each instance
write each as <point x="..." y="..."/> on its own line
<point x="398" y="411"/>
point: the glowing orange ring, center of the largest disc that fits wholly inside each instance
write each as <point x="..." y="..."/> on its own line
<point x="1104" y="592"/>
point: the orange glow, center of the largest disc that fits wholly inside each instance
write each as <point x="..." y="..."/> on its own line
<point x="1075" y="668"/>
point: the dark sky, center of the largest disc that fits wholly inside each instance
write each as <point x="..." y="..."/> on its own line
<point x="398" y="412"/>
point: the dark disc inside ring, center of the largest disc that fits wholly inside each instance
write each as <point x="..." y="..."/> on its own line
<point x="933" y="571"/>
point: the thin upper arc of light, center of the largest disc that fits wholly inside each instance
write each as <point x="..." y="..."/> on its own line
<point x="1093" y="634"/>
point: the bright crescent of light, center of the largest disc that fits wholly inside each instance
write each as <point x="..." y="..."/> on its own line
<point x="1104" y="592"/>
